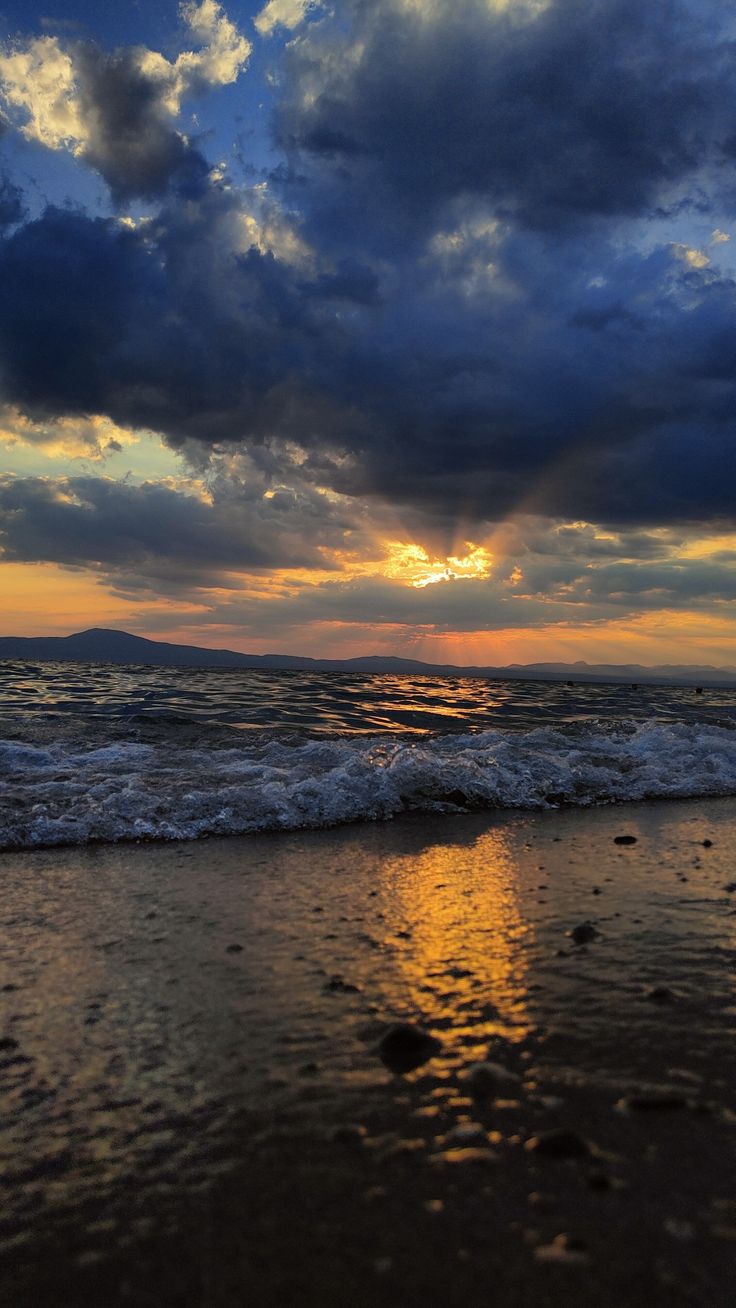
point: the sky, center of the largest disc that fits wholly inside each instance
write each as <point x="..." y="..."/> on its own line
<point x="376" y="326"/>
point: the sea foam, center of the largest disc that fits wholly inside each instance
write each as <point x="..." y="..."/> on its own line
<point x="75" y="792"/>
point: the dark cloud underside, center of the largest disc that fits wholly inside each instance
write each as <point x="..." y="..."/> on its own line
<point x="486" y="307"/>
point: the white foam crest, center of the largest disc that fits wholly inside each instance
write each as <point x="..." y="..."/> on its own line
<point x="62" y="793"/>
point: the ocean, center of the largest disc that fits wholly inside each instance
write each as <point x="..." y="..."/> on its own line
<point x="103" y="753"/>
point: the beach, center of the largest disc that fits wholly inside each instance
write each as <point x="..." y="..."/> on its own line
<point x="196" y="1102"/>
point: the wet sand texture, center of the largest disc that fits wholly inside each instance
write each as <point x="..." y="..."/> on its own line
<point x="204" y="1098"/>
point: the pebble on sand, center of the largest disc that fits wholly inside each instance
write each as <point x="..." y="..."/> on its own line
<point x="466" y="1133"/>
<point x="624" y="840"/>
<point x="486" y="1078"/>
<point x="583" y="933"/>
<point x="563" y="1249"/>
<point x="649" y="1103"/>
<point x="558" y="1143"/>
<point x="459" y="1157"/>
<point x="349" y="1133"/>
<point x="404" y="1047"/>
<point x="338" y="985"/>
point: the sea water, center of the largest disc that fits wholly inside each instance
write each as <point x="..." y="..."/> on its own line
<point x="98" y="752"/>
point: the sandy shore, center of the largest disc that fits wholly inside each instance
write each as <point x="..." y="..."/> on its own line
<point x="193" y="1109"/>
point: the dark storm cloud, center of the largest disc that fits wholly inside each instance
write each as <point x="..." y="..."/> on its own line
<point x="662" y="583"/>
<point x="11" y="203"/>
<point x="589" y="108"/>
<point x="441" y="400"/>
<point x="100" y="318"/>
<point x="157" y="537"/>
<point x="131" y="139"/>
<point x="481" y="323"/>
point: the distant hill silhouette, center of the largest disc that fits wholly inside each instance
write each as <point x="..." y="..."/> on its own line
<point x="105" y="645"/>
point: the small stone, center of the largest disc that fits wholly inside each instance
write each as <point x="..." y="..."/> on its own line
<point x="660" y="995"/>
<point x="472" y="1154"/>
<point x="730" y="889"/>
<point x="234" y="949"/>
<point x="564" y="1249"/>
<point x="486" y="1078"/>
<point x="7" y="1043"/>
<point x="467" y="1133"/>
<point x="707" y="844"/>
<point x="350" y="1133"/>
<point x="558" y="1143"/>
<point x="624" y="840"/>
<point x="583" y="933"/>
<point x="405" y="1047"/>
<point x="338" y="985"/>
<point x="652" y="1103"/>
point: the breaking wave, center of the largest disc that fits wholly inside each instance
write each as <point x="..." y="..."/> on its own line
<point x="76" y="791"/>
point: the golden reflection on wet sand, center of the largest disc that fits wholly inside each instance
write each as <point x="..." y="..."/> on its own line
<point x="462" y="960"/>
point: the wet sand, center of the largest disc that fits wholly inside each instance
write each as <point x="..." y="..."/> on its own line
<point x="193" y="1109"/>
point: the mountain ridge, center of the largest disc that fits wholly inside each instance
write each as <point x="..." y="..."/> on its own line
<point x="109" y="645"/>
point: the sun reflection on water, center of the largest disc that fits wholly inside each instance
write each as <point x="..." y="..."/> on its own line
<point x="459" y="940"/>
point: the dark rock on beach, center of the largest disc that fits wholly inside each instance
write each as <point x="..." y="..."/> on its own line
<point x="405" y="1047"/>
<point x="488" y="1078"/>
<point x="338" y="985"/>
<point x="558" y="1143"/>
<point x="624" y="840"/>
<point x="652" y="1103"/>
<point x="583" y="933"/>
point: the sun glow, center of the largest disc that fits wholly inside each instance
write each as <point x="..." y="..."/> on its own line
<point x="414" y="565"/>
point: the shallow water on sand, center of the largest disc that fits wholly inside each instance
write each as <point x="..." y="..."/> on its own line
<point x="184" y="1018"/>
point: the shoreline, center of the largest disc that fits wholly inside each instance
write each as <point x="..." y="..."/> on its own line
<point x="195" y="1110"/>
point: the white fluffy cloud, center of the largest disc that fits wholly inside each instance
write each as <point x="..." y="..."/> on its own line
<point x="223" y="54"/>
<point x="283" y="13"/>
<point x="41" y="79"/>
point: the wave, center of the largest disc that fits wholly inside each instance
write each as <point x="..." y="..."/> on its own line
<point x="76" y="791"/>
